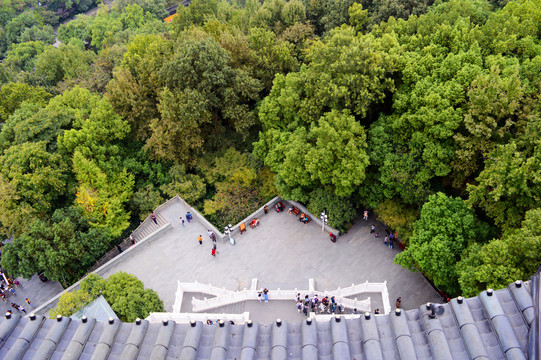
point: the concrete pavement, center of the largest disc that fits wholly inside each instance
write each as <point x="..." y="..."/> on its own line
<point x="280" y="251"/>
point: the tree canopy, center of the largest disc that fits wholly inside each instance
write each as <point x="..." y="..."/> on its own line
<point x="426" y="113"/>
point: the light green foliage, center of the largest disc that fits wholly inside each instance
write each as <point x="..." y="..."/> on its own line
<point x="155" y="8"/>
<point x="44" y="34"/>
<point x="196" y="14"/>
<point x="32" y="123"/>
<point x="77" y="28"/>
<point x="93" y="284"/>
<point x="445" y="228"/>
<point x="293" y="12"/>
<point x="104" y="27"/>
<point x="21" y="56"/>
<point x="129" y="299"/>
<point x="63" y="248"/>
<point x="398" y="216"/>
<point x="124" y="292"/>
<point x="358" y="17"/>
<point x="104" y="185"/>
<point x="272" y="56"/>
<point x="69" y="303"/>
<point x="496" y="264"/>
<point x="331" y="152"/>
<point x="12" y="95"/>
<point x="63" y="63"/>
<point x="31" y="180"/>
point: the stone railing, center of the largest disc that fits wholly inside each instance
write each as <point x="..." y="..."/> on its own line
<point x="185" y="318"/>
<point x="278" y="294"/>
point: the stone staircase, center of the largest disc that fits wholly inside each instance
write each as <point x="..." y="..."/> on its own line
<point x="146" y="229"/>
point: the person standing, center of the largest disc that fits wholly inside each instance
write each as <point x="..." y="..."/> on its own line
<point x="385" y="240"/>
<point x="266" y="209"/>
<point x="153" y="216"/>
<point x="266" y="294"/>
<point x="182" y="222"/>
<point x="200" y="239"/>
<point x="132" y="240"/>
<point x="189" y="216"/>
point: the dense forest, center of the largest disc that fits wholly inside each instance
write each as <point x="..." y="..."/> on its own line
<point x="426" y="112"/>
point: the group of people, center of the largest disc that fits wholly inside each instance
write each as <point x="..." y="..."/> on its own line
<point x="325" y="305"/>
<point x="7" y="287"/>
<point x="389" y="239"/>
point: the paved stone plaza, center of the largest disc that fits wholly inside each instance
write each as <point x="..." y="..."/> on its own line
<point x="281" y="252"/>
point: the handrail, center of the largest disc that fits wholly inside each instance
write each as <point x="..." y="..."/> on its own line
<point x="249" y="294"/>
<point x="184" y="318"/>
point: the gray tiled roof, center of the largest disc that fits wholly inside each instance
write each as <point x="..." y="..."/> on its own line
<point x="494" y="325"/>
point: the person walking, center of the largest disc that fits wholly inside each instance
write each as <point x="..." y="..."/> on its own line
<point x="182" y="222"/>
<point x="189" y="216"/>
<point x="385" y="240"/>
<point x="200" y="239"/>
<point x="266" y="209"/>
<point x="213" y="252"/>
<point x="365" y="215"/>
<point x="153" y="216"/>
<point x="28" y="301"/>
<point x="132" y="240"/>
<point x="20" y="308"/>
<point x="372" y="229"/>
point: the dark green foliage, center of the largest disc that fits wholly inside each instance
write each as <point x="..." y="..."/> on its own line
<point x="63" y="248"/>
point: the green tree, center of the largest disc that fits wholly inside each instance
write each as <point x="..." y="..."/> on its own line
<point x="340" y="210"/>
<point x="145" y="200"/>
<point x="293" y="12"/>
<point x="21" y="56"/>
<point x="104" y="185"/>
<point x="31" y="181"/>
<point x="445" y="228"/>
<point x="331" y="152"/>
<point x="12" y="95"/>
<point x="398" y="217"/>
<point x="133" y="92"/>
<point x="509" y="185"/>
<point x="190" y="187"/>
<point x="63" y="63"/>
<point x="70" y="302"/>
<point x="63" y="249"/>
<point x="129" y="299"/>
<point x="501" y="261"/>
